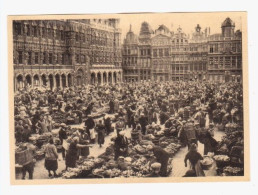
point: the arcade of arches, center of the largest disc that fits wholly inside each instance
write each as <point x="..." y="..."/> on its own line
<point x="50" y="81"/>
<point x="62" y="80"/>
<point x="101" y="77"/>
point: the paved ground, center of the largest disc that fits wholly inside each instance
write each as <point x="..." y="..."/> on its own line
<point x="178" y="161"/>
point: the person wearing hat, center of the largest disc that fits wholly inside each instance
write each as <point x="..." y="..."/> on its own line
<point x="143" y="122"/>
<point x="107" y="123"/>
<point x="19" y="131"/>
<point x="63" y="136"/>
<point x="121" y="145"/>
<point x="41" y="125"/>
<point x="120" y="125"/>
<point x="100" y="128"/>
<point x="194" y="158"/>
<point x="89" y="124"/>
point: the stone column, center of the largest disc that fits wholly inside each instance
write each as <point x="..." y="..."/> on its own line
<point x="112" y="77"/>
<point x="66" y="79"/>
<point x="32" y="81"/>
<point x="54" y="81"/>
<point x="107" y="82"/>
<point x="101" y="78"/>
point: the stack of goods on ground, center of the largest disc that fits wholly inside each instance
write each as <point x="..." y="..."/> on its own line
<point x="137" y="163"/>
<point x="230" y="153"/>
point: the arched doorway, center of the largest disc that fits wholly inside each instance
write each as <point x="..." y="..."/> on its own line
<point x="69" y="80"/>
<point x="44" y="80"/>
<point x="104" y="77"/>
<point x="51" y="82"/>
<point x="93" y="79"/>
<point x="28" y="80"/>
<point x="57" y="80"/>
<point x="115" y="77"/>
<point x="99" y="78"/>
<point x="63" y="81"/>
<point x="19" y="84"/>
<point x="109" y="77"/>
<point x="36" y="80"/>
<point x="79" y="78"/>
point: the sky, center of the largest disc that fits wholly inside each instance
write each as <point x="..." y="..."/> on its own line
<point x="187" y="21"/>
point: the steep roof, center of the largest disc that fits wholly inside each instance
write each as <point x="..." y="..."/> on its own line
<point x="228" y="23"/>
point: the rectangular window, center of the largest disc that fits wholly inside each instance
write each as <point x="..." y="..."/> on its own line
<point x="216" y="48"/>
<point x="155" y="53"/>
<point x="50" y="58"/>
<point x="77" y="58"/>
<point x="227" y="61"/>
<point x="63" y="58"/>
<point x="62" y="35"/>
<point x="160" y="53"/>
<point x="35" y="31"/>
<point x="36" y="57"/>
<point x="20" y="57"/>
<point x="49" y="33"/>
<point x="239" y="62"/>
<point x="166" y="52"/>
<point x="44" y="33"/>
<point x="28" y="30"/>
<point x="29" y="58"/>
<point x="77" y="36"/>
<point x="44" y="58"/>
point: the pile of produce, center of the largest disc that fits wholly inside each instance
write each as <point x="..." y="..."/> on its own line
<point x="231" y="127"/>
<point x="59" y="117"/>
<point x="233" y="171"/>
<point x="172" y="148"/>
<point x="223" y="158"/>
<point x="71" y="173"/>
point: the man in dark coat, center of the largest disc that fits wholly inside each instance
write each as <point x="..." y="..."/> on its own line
<point x="107" y="123"/>
<point x="89" y="124"/>
<point x="62" y="137"/>
<point x="162" y="157"/>
<point x="111" y="106"/>
<point x="143" y="122"/>
<point x="121" y="145"/>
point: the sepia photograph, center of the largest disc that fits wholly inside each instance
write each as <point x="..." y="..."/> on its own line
<point x="120" y="98"/>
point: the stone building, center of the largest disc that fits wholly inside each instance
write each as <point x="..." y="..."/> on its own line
<point x="198" y="54"/>
<point x="64" y="53"/>
<point x="163" y="55"/>
<point x="225" y="54"/>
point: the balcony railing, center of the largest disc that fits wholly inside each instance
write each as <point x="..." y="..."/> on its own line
<point x="48" y="67"/>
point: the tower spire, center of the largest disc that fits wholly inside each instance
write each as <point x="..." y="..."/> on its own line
<point x="130" y="28"/>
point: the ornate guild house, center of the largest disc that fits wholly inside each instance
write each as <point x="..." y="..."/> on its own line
<point x="163" y="55"/>
<point x="64" y="53"/>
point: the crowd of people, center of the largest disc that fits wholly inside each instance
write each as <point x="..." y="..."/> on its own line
<point x="192" y="109"/>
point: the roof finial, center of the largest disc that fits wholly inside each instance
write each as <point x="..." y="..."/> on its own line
<point x="130" y="28"/>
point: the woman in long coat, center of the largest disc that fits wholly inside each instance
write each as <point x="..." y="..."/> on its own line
<point x="100" y="128"/>
<point x="72" y="153"/>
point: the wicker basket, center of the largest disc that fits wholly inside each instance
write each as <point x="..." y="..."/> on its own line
<point x="23" y="157"/>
